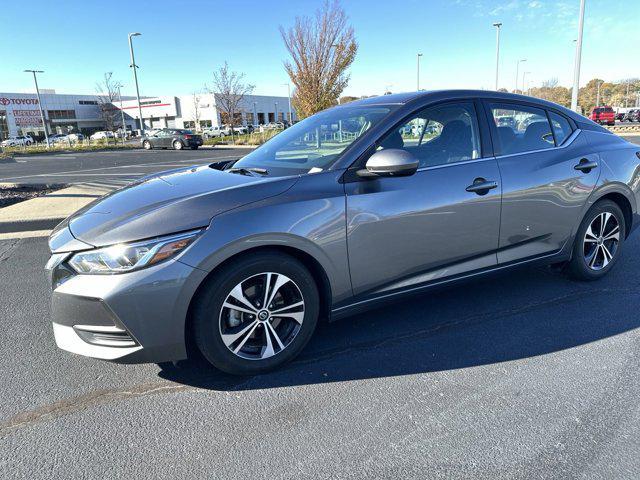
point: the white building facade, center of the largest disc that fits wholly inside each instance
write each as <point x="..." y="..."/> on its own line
<point x="20" y="112"/>
<point x="203" y="110"/>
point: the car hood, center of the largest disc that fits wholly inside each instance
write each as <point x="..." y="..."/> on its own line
<point x="169" y="202"/>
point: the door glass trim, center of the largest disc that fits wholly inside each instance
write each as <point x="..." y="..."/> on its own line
<point x="453" y="164"/>
<point x="569" y="141"/>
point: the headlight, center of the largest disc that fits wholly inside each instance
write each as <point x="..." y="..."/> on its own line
<point x="126" y="257"/>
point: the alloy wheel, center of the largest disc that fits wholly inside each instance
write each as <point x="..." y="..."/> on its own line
<point x="601" y="241"/>
<point x="261" y="316"/>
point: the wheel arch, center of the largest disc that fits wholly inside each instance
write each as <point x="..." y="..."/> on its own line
<point x="618" y="194"/>
<point x="315" y="268"/>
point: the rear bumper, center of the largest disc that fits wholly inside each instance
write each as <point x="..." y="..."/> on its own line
<point x="129" y="318"/>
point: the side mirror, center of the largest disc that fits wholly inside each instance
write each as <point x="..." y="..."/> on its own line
<point x="390" y="162"/>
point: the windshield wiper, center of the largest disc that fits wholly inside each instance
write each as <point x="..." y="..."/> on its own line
<point x="248" y="171"/>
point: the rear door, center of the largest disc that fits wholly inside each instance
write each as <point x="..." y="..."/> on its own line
<point x="543" y="163"/>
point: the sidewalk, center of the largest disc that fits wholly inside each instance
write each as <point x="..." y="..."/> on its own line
<point x="38" y="216"/>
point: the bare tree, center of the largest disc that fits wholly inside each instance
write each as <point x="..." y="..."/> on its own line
<point x="196" y="110"/>
<point x="321" y="48"/>
<point x="229" y="91"/>
<point x="107" y="94"/>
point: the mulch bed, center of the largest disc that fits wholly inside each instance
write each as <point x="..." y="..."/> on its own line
<point x="11" y="195"/>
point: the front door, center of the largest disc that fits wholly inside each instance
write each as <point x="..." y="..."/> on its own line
<point x="439" y="222"/>
<point x="543" y="188"/>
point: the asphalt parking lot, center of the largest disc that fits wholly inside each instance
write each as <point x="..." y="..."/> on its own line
<point x="519" y="376"/>
<point x="115" y="166"/>
<point x="522" y="375"/>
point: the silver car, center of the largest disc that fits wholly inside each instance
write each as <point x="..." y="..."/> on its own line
<point x="346" y="209"/>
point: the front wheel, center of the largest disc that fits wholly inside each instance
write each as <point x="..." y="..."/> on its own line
<point x="177" y="145"/>
<point x="598" y="243"/>
<point x="147" y="145"/>
<point x="256" y="313"/>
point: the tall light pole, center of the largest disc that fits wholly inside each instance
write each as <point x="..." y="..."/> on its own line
<point x="276" y="115"/>
<point x="255" y="114"/>
<point x="124" y="127"/>
<point x="626" y="98"/>
<point x="289" y="97"/>
<point x="418" y="71"/>
<point x="576" y="67"/>
<point x="524" y="75"/>
<point x="135" y="79"/>
<point x="497" y="25"/>
<point x="518" y="71"/>
<point x="44" y="125"/>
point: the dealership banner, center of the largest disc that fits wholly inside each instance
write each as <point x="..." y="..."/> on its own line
<point x="27" y="118"/>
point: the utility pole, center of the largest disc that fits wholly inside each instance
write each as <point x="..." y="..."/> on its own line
<point x="135" y="79"/>
<point x="518" y="72"/>
<point x="578" y="59"/>
<point x="497" y="25"/>
<point x="418" y="72"/>
<point x="524" y="88"/>
<point x="44" y="125"/>
<point x="626" y="98"/>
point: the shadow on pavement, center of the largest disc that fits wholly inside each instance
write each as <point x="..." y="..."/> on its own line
<point x="524" y="314"/>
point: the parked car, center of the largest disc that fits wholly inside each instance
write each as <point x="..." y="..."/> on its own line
<point x="58" y="138"/>
<point x="75" y="137"/>
<point x="239" y="260"/>
<point x="216" y="131"/>
<point x="18" y="141"/>
<point x="603" y="115"/>
<point x="172" y="138"/>
<point x="632" y="116"/>
<point x="103" y="134"/>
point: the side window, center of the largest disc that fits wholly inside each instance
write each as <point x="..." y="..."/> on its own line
<point x="521" y="128"/>
<point x="561" y="127"/>
<point x="438" y="135"/>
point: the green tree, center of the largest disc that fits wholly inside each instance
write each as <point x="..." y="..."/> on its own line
<point x="322" y="49"/>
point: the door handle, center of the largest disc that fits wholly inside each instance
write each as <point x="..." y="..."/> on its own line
<point x="585" y="165"/>
<point x="481" y="186"/>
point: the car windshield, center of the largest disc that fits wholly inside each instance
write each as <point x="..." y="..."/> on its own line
<point x="315" y="143"/>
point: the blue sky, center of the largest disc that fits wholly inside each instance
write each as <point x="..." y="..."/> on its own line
<point x="75" y="42"/>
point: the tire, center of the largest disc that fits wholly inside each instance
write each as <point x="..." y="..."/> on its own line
<point x="587" y="263"/>
<point x="177" y="145"/>
<point x="212" y="318"/>
<point x="147" y="145"/>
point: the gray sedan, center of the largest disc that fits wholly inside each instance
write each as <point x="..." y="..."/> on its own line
<point x="357" y="205"/>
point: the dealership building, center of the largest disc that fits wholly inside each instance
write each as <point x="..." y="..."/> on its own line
<point x="63" y="113"/>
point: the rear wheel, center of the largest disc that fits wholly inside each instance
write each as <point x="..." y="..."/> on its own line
<point x="256" y="314"/>
<point x="147" y="145"/>
<point x="177" y="145"/>
<point x="598" y="243"/>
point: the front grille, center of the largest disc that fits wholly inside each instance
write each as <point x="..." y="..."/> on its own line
<point x="105" y="336"/>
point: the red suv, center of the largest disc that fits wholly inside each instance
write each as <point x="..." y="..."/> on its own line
<point x="603" y="115"/>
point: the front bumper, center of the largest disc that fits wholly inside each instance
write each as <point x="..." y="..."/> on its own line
<point x="129" y="318"/>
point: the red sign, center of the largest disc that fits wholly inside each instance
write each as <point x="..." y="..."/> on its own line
<point x="18" y="101"/>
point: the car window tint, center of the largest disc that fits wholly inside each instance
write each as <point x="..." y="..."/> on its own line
<point x="521" y="129"/>
<point x="438" y="135"/>
<point x="561" y="127"/>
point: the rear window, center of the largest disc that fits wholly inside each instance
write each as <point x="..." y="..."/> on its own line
<point x="608" y="109"/>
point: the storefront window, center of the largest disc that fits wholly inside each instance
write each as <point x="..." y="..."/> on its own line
<point x="4" y="126"/>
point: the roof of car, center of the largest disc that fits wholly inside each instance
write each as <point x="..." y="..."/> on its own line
<point x="437" y="95"/>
